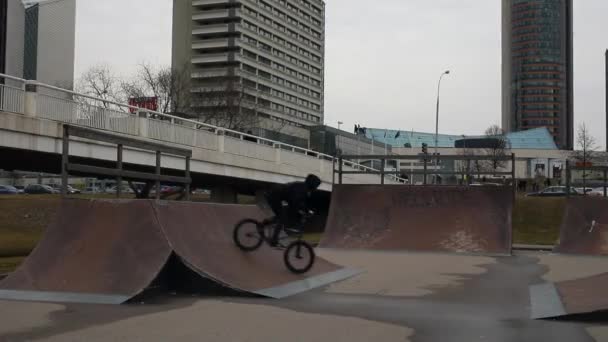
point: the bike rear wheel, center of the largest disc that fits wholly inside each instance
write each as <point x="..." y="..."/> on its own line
<point x="299" y="257"/>
<point x="247" y="235"/>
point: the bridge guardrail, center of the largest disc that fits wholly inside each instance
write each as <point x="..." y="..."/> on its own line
<point x="12" y="94"/>
<point x="34" y="98"/>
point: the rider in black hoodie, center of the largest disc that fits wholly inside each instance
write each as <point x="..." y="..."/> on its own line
<point x="297" y="197"/>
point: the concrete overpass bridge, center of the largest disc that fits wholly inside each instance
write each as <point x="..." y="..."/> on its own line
<point x="32" y="115"/>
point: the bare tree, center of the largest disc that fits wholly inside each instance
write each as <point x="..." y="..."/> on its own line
<point x="585" y="155"/>
<point x="100" y="82"/>
<point x="496" y="148"/>
<point x="169" y="87"/>
<point x="228" y="103"/>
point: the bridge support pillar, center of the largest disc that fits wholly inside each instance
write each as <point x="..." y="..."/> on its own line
<point x="142" y="118"/>
<point x="223" y="194"/>
<point x="277" y="154"/>
<point x="31" y="100"/>
<point x="220" y="142"/>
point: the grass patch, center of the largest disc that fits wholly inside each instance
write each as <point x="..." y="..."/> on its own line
<point x="8" y="265"/>
<point x="313" y="238"/>
<point x="22" y="222"/>
<point x="24" y="218"/>
<point x="537" y="220"/>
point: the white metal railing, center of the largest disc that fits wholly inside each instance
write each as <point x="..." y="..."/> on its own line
<point x="12" y="94"/>
<point x="79" y="109"/>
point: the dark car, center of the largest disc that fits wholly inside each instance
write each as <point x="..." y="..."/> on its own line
<point x="555" y="191"/>
<point x="8" y="190"/>
<point x="39" y="189"/>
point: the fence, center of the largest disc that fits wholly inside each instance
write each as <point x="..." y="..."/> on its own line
<point x="12" y="94"/>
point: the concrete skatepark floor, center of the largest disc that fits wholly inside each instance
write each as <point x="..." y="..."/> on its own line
<point x="400" y="297"/>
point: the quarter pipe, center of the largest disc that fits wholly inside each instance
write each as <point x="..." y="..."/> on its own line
<point x="109" y="251"/>
<point x="397" y="217"/>
<point x="584" y="228"/>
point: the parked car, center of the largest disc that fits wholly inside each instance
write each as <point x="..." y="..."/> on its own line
<point x="8" y="190"/>
<point x="555" y="191"/>
<point x="71" y="190"/>
<point x="582" y="190"/>
<point x="125" y="189"/>
<point x="40" y="189"/>
<point x="20" y="189"/>
<point x="598" y="192"/>
<point x="93" y="190"/>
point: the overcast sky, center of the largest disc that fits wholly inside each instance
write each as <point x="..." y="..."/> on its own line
<point x="383" y="58"/>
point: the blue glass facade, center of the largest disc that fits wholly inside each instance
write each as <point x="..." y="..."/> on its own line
<point x="539" y="48"/>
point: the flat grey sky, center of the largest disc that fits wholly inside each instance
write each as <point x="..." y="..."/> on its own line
<point x="383" y="58"/>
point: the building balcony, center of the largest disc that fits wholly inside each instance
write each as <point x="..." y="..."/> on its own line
<point x="210" y="44"/>
<point x="222" y="14"/>
<point x="197" y="3"/>
<point x="211" y="29"/>
<point x="223" y="57"/>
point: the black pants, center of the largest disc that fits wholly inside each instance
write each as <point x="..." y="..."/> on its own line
<point x="285" y="216"/>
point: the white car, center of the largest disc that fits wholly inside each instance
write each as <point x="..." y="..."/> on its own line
<point x="599" y="192"/>
<point x="586" y="190"/>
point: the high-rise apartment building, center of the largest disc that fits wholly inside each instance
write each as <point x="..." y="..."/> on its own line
<point x="271" y="50"/>
<point x="537" y="82"/>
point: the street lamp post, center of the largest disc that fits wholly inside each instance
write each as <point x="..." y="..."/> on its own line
<point x="447" y="72"/>
<point x="467" y="162"/>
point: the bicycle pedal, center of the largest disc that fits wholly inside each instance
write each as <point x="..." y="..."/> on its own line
<point x="279" y="247"/>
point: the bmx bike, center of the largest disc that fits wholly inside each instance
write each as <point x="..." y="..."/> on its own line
<point x="298" y="255"/>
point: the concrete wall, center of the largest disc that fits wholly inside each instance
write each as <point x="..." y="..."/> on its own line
<point x="56" y="43"/>
<point x="15" y="31"/>
<point x="182" y="35"/>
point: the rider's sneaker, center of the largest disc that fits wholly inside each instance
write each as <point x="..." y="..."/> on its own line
<point x="293" y="231"/>
<point x="277" y="245"/>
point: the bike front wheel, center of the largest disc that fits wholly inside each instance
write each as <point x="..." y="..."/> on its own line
<point x="247" y="235"/>
<point x="299" y="257"/>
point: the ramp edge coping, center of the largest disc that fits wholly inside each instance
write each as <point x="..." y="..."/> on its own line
<point x="63" y="297"/>
<point x="290" y="289"/>
<point x="545" y="301"/>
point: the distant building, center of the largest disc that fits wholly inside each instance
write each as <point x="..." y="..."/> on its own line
<point x="537" y="66"/>
<point x="268" y="55"/>
<point x="535" y="151"/>
<point x="50" y="38"/>
<point x="331" y="141"/>
<point x="37" y="40"/>
<point x="12" y="33"/>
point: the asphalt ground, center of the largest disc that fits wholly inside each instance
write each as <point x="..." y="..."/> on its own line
<point x="399" y="297"/>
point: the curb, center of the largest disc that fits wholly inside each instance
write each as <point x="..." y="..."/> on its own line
<point x="544" y="248"/>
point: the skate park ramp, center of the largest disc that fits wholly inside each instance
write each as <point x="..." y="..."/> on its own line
<point x="109" y="251"/>
<point x="94" y="251"/>
<point x="397" y="217"/>
<point x="586" y="296"/>
<point x="211" y="253"/>
<point x="584" y="228"/>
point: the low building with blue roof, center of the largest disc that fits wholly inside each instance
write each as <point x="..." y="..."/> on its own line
<point x="534" y="139"/>
<point x="537" y="155"/>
